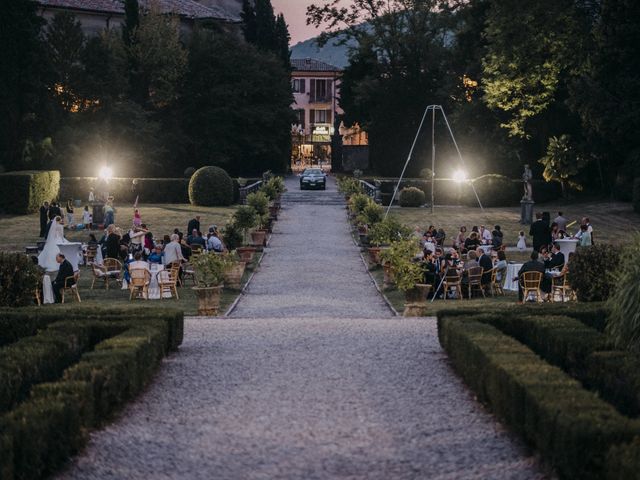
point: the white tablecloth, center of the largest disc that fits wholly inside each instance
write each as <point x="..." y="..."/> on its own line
<point x="567" y="246"/>
<point x="47" y="290"/>
<point x="72" y="252"/>
<point x="486" y="248"/>
<point x="154" y="288"/>
<point x="512" y="273"/>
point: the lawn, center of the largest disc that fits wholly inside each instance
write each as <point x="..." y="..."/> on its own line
<point x="20" y="230"/>
<point x="613" y="222"/>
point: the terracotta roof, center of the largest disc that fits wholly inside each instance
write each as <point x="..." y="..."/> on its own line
<point x="312" y="65"/>
<point x="183" y="8"/>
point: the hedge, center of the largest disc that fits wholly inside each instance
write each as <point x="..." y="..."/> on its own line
<point x="636" y="195"/>
<point x="411" y="197"/>
<point x="18" y="280"/>
<point x="24" y="192"/>
<point x="39" y="435"/>
<point x="571" y="427"/>
<point x="149" y="190"/>
<point x="211" y="187"/>
<point x="593" y="271"/>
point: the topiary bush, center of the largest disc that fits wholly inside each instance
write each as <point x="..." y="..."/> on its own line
<point x="24" y="192"/>
<point x="259" y="202"/>
<point x="591" y="272"/>
<point x="624" y="320"/>
<point x="18" y="280"/>
<point x="411" y="197"/>
<point x="211" y="187"/>
<point x="232" y="236"/>
<point x="358" y="202"/>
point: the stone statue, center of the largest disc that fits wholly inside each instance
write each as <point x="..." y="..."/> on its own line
<point x="526" y="178"/>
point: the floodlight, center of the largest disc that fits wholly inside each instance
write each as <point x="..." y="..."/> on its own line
<point x="459" y="176"/>
<point x="106" y="173"/>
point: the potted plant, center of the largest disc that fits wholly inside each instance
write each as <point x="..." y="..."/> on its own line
<point x="244" y="219"/>
<point x="234" y="272"/>
<point x="260" y="204"/>
<point x="408" y="274"/>
<point x="210" y="269"/>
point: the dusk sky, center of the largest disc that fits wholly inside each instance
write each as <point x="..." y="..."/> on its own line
<point x="295" y="14"/>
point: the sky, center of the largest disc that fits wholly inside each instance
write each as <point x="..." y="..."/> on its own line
<point x="295" y="14"/>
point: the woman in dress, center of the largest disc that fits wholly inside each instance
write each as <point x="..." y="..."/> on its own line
<point x="69" y="210"/>
<point x="47" y="257"/>
<point x="458" y="242"/>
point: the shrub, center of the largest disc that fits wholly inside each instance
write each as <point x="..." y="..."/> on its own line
<point x="232" y="236"/>
<point x="24" y="192"/>
<point x="259" y="202"/>
<point x="372" y="213"/>
<point x="400" y="255"/>
<point x="388" y="231"/>
<point x="591" y="271"/>
<point x="273" y="187"/>
<point x="349" y="186"/>
<point x="493" y="191"/>
<point x="624" y="321"/>
<point x="358" y="202"/>
<point x="211" y="187"/>
<point x="18" y="280"/>
<point x="148" y="190"/>
<point x="411" y="197"/>
<point x="636" y="195"/>
<point x="571" y="427"/>
<point x="244" y="219"/>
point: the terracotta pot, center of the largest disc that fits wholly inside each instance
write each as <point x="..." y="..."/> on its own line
<point x="389" y="277"/>
<point x="233" y="277"/>
<point x="374" y="254"/>
<point x="258" y="238"/>
<point x="208" y="300"/>
<point x="418" y="294"/>
<point x="246" y="253"/>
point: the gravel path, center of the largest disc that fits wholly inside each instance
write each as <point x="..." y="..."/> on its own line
<point x="312" y="242"/>
<point x="329" y="397"/>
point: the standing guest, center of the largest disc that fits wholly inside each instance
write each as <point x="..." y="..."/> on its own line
<point x="561" y="222"/>
<point x="112" y="243"/>
<point x="540" y="232"/>
<point x="92" y="195"/>
<point x="137" y="219"/>
<point x="136" y="239"/>
<point x="65" y="271"/>
<point x="109" y="213"/>
<point x="87" y="218"/>
<point x="532" y="265"/>
<point x="44" y="219"/>
<point x="585" y="236"/>
<point x="148" y="242"/>
<point x="173" y="251"/>
<point x="458" y="242"/>
<point x="484" y="260"/>
<point x="485" y="235"/>
<point x="69" y="211"/>
<point x="214" y="244"/>
<point x="54" y="211"/>
<point x="522" y="241"/>
<point x="497" y="237"/>
<point x="194" y="224"/>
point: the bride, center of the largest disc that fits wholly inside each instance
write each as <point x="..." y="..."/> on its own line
<point x="47" y="258"/>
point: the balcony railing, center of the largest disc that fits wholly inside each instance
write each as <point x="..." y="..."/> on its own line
<point x="244" y="191"/>
<point x="372" y="190"/>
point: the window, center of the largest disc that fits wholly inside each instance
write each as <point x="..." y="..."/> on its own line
<point x="299" y="85"/>
<point x="320" y="90"/>
<point x="300" y="117"/>
<point x="320" y="116"/>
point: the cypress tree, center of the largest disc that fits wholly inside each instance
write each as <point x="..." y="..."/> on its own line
<point x="249" y="27"/>
<point x="265" y="26"/>
<point x="282" y="41"/>
<point x="131" y="20"/>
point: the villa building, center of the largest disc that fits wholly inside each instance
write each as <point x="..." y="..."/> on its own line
<point x="316" y="90"/>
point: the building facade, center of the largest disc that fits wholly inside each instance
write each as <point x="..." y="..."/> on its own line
<point x="316" y="90"/>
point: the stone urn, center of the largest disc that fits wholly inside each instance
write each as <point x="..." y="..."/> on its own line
<point x="233" y="276"/>
<point x="208" y="300"/>
<point x="246" y="253"/>
<point x="416" y="301"/>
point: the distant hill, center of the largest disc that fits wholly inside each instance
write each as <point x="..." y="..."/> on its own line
<point x="331" y="53"/>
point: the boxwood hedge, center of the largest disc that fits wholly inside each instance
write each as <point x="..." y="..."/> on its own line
<point x="23" y="192"/>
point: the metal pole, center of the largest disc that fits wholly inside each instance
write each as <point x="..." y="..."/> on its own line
<point x="460" y="156"/>
<point x="415" y="140"/>
<point x="433" y="158"/>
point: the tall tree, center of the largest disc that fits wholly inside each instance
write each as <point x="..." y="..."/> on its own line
<point x="23" y="95"/>
<point x="131" y="20"/>
<point x="265" y="26"/>
<point x="282" y="41"/>
<point x="249" y="26"/>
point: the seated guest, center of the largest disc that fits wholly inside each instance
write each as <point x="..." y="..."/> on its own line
<point x="186" y="250"/>
<point x="533" y="265"/>
<point x="469" y="264"/>
<point x="497" y="237"/>
<point x="484" y="260"/>
<point x="65" y="271"/>
<point x="500" y="265"/>
<point x="472" y="242"/>
<point x="440" y="236"/>
<point x="138" y="263"/>
<point x="197" y="239"/>
<point x="156" y="255"/>
<point x="458" y="242"/>
<point x="555" y="259"/>
<point x="214" y="244"/>
<point x="485" y="235"/>
<point x="93" y="242"/>
<point x="429" y="268"/>
<point x="173" y="250"/>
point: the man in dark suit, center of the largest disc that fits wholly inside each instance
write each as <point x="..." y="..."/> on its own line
<point x="533" y="265"/>
<point x="194" y="224"/>
<point x="65" y="271"/>
<point x="44" y="218"/>
<point x="540" y="232"/>
<point x="555" y="259"/>
<point x="54" y="211"/>
<point x="484" y="260"/>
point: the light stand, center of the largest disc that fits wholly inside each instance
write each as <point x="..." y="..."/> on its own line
<point x="431" y="108"/>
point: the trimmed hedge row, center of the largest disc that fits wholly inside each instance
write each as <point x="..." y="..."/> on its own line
<point x="24" y="192"/>
<point x="43" y="431"/>
<point x="18" y="280"/>
<point x="571" y="427"/>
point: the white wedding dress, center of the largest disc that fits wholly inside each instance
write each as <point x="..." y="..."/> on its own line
<point x="47" y="257"/>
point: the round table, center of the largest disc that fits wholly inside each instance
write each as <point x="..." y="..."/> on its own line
<point x="510" y="275"/>
<point x="486" y="248"/>
<point x="72" y="252"/>
<point x="567" y="246"/>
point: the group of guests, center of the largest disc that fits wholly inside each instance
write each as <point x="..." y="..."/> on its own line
<point x="544" y="232"/>
<point x="478" y="236"/>
<point x="549" y="263"/>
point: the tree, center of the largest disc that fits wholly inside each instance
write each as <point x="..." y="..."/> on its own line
<point x="23" y="76"/>
<point x="131" y="21"/>
<point x="282" y="39"/>
<point x="265" y="26"/>
<point x="236" y="106"/>
<point x="563" y="162"/>
<point x="249" y="25"/>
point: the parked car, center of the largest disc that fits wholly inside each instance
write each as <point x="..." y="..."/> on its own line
<point x="313" y="178"/>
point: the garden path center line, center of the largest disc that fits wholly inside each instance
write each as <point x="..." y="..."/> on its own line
<point x="297" y="389"/>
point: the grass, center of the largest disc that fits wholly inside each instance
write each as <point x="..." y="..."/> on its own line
<point x="116" y="297"/>
<point x="613" y="222"/>
<point x="21" y="230"/>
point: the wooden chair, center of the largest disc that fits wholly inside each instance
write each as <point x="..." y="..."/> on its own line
<point x="139" y="283"/>
<point x="497" y="287"/>
<point x="110" y="270"/>
<point x="530" y="283"/>
<point x="196" y="250"/>
<point x="168" y="283"/>
<point x="475" y="280"/>
<point x="72" y="289"/>
<point x="175" y="267"/>
<point x="452" y="279"/>
<point x="188" y="270"/>
<point x="560" y="288"/>
<point x="90" y="254"/>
